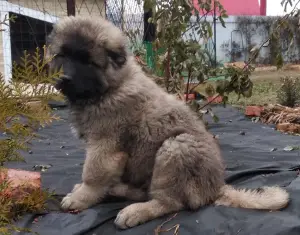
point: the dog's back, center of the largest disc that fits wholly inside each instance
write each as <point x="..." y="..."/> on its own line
<point x="158" y="118"/>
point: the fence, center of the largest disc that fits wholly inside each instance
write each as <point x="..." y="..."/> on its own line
<point x="35" y="19"/>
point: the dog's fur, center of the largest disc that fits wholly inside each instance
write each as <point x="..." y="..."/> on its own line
<point x="141" y="142"/>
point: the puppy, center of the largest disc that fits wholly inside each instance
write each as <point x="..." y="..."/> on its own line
<point x="138" y="138"/>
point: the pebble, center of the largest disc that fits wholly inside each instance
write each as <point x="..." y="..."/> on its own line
<point x="242" y="133"/>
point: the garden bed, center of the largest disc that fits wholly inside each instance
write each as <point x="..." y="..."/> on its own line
<point x="246" y="148"/>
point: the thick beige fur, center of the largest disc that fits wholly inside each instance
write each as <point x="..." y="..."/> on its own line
<point x="141" y="143"/>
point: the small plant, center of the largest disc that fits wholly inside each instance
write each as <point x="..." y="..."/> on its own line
<point x="23" y="109"/>
<point x="136" y="44"/>
<point x="17" y="203"/>
<point x="19" y="120"/>
<point x="289" y="92"/>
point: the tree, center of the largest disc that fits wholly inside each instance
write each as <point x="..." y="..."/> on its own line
<point x="181" y="31"/>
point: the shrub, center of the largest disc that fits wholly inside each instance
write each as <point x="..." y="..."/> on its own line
<point x="289" y="92"/>
<point x="23" y="109"/>
<point x="20" y="120"/>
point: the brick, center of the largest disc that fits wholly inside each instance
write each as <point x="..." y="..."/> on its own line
<point x="190" y="96"/>
<point x="254" y="111"/>
<point x="19" y="179"/>
<point x="288" y="127"/>
<point x="217" y="100"/>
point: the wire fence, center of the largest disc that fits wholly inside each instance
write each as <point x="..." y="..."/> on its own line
<point x="35" y="19"/>
<point x="126" y="14"/>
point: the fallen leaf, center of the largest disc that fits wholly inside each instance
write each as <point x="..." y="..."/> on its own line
<point x="289" y="148"/>
<point x="42" y="168"/>
<point x="255" y="119"/>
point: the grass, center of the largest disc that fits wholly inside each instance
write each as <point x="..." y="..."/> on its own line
<point x="265" y="87"/>
<point x="263" y="93"/>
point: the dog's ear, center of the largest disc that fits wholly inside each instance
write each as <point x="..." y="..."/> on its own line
<point x="49" y="37"/>
<point x="118" y="56"/>
<point x="47" y="46"/>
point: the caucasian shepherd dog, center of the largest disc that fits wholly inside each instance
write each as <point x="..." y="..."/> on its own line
<point x="141" y="142"/>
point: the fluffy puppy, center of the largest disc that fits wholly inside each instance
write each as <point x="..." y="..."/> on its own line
<point x="139" y="139"/>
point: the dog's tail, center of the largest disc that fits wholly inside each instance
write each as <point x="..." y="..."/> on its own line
<point x="265" y="198"/>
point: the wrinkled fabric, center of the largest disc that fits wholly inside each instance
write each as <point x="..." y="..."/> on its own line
<point x="246" y="148"/>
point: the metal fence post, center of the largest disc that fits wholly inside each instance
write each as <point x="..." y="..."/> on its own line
<point x="71" y="7"/>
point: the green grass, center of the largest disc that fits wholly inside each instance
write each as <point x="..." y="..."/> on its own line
<point x="265" y="87"/>
<point x="263" y="93"/>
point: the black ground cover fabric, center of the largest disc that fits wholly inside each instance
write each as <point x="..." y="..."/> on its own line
<point x="250" y="163"/>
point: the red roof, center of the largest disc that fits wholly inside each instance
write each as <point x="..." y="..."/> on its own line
<point x="241" y="7"/>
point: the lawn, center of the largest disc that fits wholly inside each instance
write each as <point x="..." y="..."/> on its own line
<point x="265" y="86"/>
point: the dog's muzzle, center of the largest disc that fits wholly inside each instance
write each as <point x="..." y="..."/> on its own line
<point x="62" y="81"/>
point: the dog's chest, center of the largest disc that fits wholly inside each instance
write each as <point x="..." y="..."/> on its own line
<point x="87" y="125"/>
<point x="139" y="167"/>
<point x="74" y="131"/>
<point x="138" y="171"/>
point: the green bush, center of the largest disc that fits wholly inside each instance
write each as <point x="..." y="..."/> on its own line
<point x="289" y="92"/>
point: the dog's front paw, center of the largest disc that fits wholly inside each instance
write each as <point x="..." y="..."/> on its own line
<point x="131" y="216"/>
<point x="82" y="197"/>
<point x="71" y="202"/>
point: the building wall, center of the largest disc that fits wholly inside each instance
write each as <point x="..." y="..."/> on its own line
<point x="231" y="39"/>
<point x="1" y="55"/>
<point x="239" y="7"/>
<point x="47" y="10"/>
<point x="59" y="7"/>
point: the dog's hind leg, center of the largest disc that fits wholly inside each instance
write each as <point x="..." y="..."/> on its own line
<point x="187" y="175"/>
<point x="128" y="192"/>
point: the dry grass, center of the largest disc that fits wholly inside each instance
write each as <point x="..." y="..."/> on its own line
<point x="15" y="202"/>
<point x="160" y="230"/>
<point x="280" y="114"/>
<point x="287" y="119"/>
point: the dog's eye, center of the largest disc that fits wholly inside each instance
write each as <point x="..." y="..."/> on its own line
<point x="94" y="64"/>
<point x="59" y="55"/>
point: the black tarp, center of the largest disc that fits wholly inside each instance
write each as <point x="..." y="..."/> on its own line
<point x="250" y="163"/>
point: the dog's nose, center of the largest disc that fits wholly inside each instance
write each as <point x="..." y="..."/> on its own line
<point x="65" y="77"/>
<point x="62" y="78"/>
<point x="62" y="81"/>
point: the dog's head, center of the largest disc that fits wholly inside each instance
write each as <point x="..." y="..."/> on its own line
<point x="92" y="54"/>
